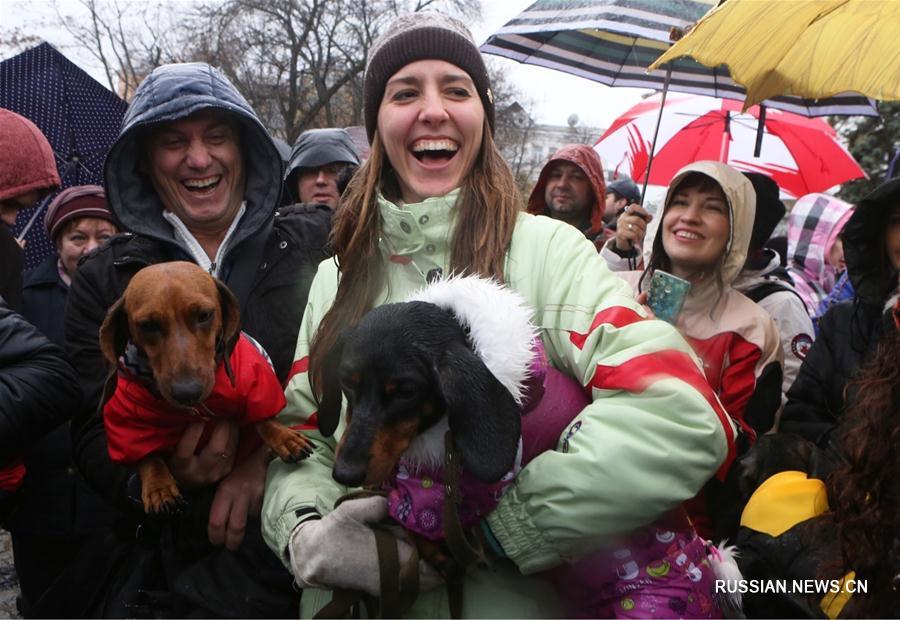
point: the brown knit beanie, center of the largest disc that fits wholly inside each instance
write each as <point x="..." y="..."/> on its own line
<point x="422" y="36"/>
<point x="74" y="203"/>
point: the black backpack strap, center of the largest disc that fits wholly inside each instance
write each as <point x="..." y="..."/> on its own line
<point x="775" y="285"/>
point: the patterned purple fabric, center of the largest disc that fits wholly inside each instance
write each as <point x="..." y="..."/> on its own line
<point x="814" y="224"/>
<point x="656" y="573"/>
<point x="416" y="498"/>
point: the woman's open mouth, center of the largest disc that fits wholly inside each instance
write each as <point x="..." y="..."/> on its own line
<point x="434" y="152"/>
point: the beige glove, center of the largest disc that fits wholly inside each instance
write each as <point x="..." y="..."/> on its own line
<point x="338" y="551"/>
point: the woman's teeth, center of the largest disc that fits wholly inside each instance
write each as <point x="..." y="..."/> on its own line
<point x="687" y="235"/>
<point x="420" y="146"/>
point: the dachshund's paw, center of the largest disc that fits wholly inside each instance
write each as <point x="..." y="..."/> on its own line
<point x="164" y="501"/>
<point x="293" y="447"/>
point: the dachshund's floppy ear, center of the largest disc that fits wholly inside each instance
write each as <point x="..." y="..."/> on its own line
<point x="114" y="333"/>
<point x="231" y="316"/>
<point x="485" y="420"/>
<point x="329" y="413"/>
<point x="113" y="339"/>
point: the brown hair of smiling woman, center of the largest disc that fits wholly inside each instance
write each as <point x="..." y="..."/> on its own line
<point x="488" y="207"/>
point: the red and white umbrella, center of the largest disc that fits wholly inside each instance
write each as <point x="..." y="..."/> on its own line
<point x="801" y="154"/>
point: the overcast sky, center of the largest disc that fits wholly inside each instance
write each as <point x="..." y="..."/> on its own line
<point x="558" y="96"/>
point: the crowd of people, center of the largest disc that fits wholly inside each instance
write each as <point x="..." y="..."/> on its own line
<point x="768" y="364"/>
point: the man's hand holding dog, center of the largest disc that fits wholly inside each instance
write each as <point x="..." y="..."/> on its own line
<point x="238" y="497"/>
<point x="214" y="461"/>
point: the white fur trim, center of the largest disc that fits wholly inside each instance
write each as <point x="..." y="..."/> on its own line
<point x="499" y="324"/>
<point x="428" y="448"/>
<point x="723" y="560"/>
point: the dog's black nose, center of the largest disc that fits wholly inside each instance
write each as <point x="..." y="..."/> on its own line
<point x="349" y="474"/>
<point x="187" y="392"/>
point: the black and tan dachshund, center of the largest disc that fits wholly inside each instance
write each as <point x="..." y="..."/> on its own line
<point x="408" y="371"/>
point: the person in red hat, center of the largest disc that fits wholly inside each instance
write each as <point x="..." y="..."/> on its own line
<point x="27" y="174"/>
<point x="37" y="385"/>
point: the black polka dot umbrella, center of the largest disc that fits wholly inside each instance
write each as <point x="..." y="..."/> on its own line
<point x="79" y="116"/>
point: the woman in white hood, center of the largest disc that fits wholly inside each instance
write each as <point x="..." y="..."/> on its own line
<point x="702" y="236"/>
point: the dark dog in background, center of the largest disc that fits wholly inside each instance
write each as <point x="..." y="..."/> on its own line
<point x="185" y="324"/>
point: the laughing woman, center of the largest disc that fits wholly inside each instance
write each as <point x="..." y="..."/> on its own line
<point x="436" y="198"/>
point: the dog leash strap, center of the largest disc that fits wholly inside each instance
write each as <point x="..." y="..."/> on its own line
<point x="389" y="572"/>
<point x="463" y="549"/>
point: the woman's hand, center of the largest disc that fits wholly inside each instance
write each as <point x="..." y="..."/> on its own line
<point x="642" y="299"/>
<point x="631" y="227"/>
<point x="213" y="462"/>
<point x="338" y="551"/>
<point x="238" y="497"/>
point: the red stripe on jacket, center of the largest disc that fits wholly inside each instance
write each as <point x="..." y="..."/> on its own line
<point x="730" y="364"/>
<point x="640" y="372"/>
<point x="617" y="316"/>
<point x="298" y="367"/>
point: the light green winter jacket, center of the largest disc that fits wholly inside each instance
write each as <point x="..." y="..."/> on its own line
<point x="650" y="439"/>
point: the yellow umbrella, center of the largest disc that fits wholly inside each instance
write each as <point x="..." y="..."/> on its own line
<point x="807" y="48"/>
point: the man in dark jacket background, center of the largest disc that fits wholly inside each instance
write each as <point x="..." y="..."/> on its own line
<point x="322" y="162"/>
<point x="195" y="176"/>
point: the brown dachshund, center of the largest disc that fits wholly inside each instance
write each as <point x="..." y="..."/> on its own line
<point x="184" y="325"/>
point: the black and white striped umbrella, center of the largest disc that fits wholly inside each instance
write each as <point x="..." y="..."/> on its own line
<point x="614" y="41"/>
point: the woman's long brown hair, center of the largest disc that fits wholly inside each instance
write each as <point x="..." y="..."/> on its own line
<point x="865" y="490"/>
<point x="487" y="209"/>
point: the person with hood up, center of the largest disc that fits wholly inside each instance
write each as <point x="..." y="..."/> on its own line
<point x="321" y="163"/>
<point x="27" y="174"/>
<point x="194" y="176"/>
<point x="814" y="256"/>
<point x="764" y="281"/>
<point x="851" y="330"/>
<point x="702" y="236"/>
<point x="435" y="197"/>
<point x="571" y="189"/>
<point x="38" y="388"/>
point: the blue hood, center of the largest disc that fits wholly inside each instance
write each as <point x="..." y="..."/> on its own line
<point x="169" y="93"/>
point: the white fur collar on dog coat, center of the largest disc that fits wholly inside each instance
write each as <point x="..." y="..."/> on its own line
<point x="498" y="321"/>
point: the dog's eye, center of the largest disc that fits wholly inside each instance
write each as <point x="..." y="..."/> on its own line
<point x="149" y="327"/>
<point x="402" y="390"/>
<point x="204" y="316"/>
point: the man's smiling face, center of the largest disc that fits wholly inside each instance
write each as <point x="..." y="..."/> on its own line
<point x="196" y="166"/>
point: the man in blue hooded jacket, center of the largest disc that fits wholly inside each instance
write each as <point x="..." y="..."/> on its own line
<point x="195" y="176"/>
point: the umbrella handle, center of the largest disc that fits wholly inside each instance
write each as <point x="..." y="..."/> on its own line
<point x="662" y="105"/>
<point x="34" y="215"/>
<point x="759" y="130"/>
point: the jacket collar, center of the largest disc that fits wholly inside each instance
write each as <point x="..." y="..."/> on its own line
<point x="413" y="228"/>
